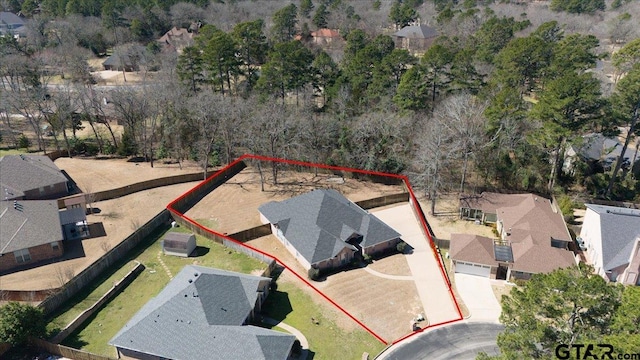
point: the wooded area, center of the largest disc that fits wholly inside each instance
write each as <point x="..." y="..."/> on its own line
<point x="496" y="101"/>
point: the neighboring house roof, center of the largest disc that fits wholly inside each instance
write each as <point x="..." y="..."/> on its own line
<point x="179" y="38"/>
<point x="21" y="173"/>
<point x="200" y="315"/>
<point x="599" y="147"/>
<point x="319" y="223"/>
<point x="118" y="60"/>
<point x="531" y="223"/>
<point x="33" y="223"/>
<point x="328" y="33"/>
<point x="619" y="227"/>
<point x="11" y="23"/>
<point x="417" y="32"/>
<point x="472" y="248"/>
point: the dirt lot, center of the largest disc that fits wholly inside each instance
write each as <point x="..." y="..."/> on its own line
<point x="96" y="175"/>
<point x="234" y="205"/>
<point x="447" y="220"/>
<point x="119" y="218"/>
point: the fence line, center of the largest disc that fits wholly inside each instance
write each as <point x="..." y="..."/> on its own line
<point x="94" y="270"/>
<point x="65" y="351"/>
<point x="113" y="292"/>
<point x="139" y="186"/>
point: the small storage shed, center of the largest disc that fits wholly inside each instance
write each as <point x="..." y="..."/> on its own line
<point x="179" y="244"/>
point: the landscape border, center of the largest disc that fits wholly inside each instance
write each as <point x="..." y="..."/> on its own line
<point x="412" y="200"/>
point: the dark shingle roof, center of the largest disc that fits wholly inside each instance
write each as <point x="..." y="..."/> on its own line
<point x="417" y="32"/>
<point x="20" y="173"/>
<point x="200" y="315"/>
<point x="619" y="227"/>
<point x="319" y="223"/>
<point x="35" y="222"/>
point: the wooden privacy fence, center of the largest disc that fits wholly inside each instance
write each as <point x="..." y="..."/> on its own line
<point x="114" y="255"/>
<point x="115" y="290"/>
<point x="139" y="186"/>
<point x="65" y="351"/>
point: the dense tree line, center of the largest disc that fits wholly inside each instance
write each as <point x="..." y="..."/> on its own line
<point x="485" y="103"/>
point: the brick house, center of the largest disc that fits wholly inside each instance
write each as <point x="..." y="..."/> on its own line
<point x="324" y="230"/>
<point x="31" y="177"/>
<point x="33" y="231"/>
<point x="203" y="314"/>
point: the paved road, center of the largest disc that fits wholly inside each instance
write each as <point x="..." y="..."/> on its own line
<point x="458" y="341"/>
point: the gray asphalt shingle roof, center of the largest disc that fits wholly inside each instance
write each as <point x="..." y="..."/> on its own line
<point x="21" y="173"/>
<point x="35" y="222"/>
<point x="200" y="315"/>
<point x="417" y="32"/>
<point x="619" y="227"/>
<point x="319" y="223"/>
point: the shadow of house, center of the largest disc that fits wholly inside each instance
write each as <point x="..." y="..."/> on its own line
<point x="203" y="314"/>
<point x="324" y="230"/>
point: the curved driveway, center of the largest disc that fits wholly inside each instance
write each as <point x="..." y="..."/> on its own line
<point x="458" y="341"/>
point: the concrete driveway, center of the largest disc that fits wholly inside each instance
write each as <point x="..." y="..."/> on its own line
<point x="477" y="294"/>
<point x="432" y="288"/>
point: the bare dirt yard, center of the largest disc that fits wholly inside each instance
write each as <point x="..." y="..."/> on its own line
<point x="92" y="175"/>
<point x="234" y="205"/>
<point x="447" y="220"/>
<point x="119" y="217"/>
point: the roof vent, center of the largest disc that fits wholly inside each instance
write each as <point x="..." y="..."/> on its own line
<point x="195" y="274"/>
<point x="190" y="281"/>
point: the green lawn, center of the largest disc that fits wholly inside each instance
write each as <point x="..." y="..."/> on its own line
<point x="99" y="329"/>
<point x="289" y="303"/>
<point x="326" y="340"/>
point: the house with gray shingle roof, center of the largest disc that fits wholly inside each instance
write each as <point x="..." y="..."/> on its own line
<point x="202" y="314"/>
<point x="611" y="236"/>
<point x="32" y="231"/>
<point x="533" y="237"/>
<point x="325" y="230"/>
<point x="12" y="24"/>
<point x="415" y="38"/>
<point x="31" y="177"/>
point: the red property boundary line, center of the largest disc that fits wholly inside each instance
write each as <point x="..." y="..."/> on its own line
<point x="413" y="201"/>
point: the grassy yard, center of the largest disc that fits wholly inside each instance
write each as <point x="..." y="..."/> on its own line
<point x="326" y="340"/>
<point x="99" y="329"/>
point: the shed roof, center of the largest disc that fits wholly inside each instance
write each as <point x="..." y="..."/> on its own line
<point x="200" y="315"/>
<point x="319" y="223"/>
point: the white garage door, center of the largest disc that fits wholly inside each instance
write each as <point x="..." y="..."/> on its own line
<point x="473" y="269"/>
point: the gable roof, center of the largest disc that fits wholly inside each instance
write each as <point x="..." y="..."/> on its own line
<point x="596" y="146"/>
<point x="416" y="32"/>
<point x="200" y="315"/>
<point x="619" y="227"/>
<point x="177" y="37"/>
<point x="21" y="173"/>
<point x="472" y="248"/>
<point x="33" y="223"/>
<point x="118" y="60"/>
<point x="319" y="223"/>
